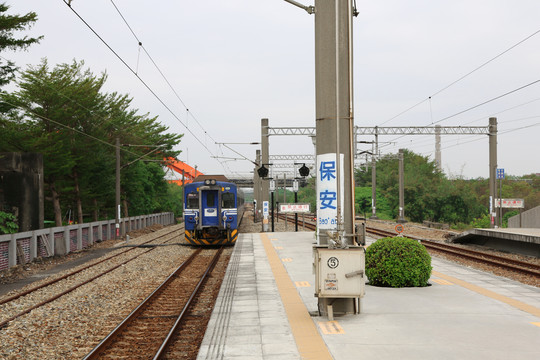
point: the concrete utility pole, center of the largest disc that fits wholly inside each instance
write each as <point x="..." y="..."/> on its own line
<point x="438" y="147"/>
<point x="257" y="186"/>
<point x="401" y="216"/>
<point x="284" y="188"/>
<point x="117" y="202"/>
<point x="334" y="104"/>
<point x="334" y="147"/>
<point x="265" y="186"/>
<point x="374" y="176"/>
<point x="374" y="187"/>
<point x="492" y="168"/>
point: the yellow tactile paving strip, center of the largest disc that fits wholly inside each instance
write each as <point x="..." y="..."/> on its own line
<point x="480" y="290"/>
<point x="441" y="282"/>
<point x="308" y="340"/>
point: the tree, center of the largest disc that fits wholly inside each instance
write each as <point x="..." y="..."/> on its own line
<point x="64" y="115"/>
<point x="429" y="195"/>
<point x="9" y="24"/>
<point x="307" y="194"/>
<point x="362" y="200"/>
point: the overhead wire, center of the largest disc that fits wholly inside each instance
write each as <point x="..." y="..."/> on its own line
<point x="478" y="105"/>
<point x="498" y="134"/>
<point x="90" y="111"/>
<point x="488" y="101"/>
<point x="138" y="77"/>
<point x="188" y="113"/>
<point x="141" y="45"/>
<point x="502" y="111"/>
<point x="31" y="111"/>
<point x="463" y="77"/>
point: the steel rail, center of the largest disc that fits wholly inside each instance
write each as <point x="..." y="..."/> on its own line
<point x="484" y="258"/>
<point x="479" y="256"/>
<point x="307" y="224"/>
<point x="67" y="291"/>
<point x="491" y="256"/>
<point x="96" y="352"/>
<point x="53" y="281"/>
<point x="181" y="317"/>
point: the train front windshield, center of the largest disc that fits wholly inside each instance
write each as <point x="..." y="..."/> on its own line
<point x="227" y="201"/>
<point x="192" y="200"/>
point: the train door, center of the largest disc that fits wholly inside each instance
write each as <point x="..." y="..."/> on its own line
<point x="210" y="215"/>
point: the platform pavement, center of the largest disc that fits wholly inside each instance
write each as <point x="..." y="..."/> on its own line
<point x="465" y="314"/>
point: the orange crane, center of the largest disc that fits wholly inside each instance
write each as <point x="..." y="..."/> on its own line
<point x="182" y="168"/>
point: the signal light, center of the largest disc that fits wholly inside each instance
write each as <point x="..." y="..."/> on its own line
<point x="262" y="171"/>
<point x="304" y="170"/>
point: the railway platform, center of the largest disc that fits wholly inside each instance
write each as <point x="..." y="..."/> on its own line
<point x="266" y="310"/>
<point x="518" y="240"/>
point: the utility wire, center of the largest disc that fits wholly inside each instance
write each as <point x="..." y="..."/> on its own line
<point x="138" y="77"/>
<point x="488" y="101"/>
<point x="499" y="133"/>
<point x="67" y="97"/>
<point x="478" y="105"/>
<point x="502" y="111"/>
<point x="463" y="77"/>
<point x="31" y="111"/>
<point x="90" y="111"/>
<point x="159" y="70"/>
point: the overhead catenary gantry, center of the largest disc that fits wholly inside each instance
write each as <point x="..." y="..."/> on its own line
<point x="437" y="130"/>
<point x="292" y="157"/>
<point x="389" y="130"/>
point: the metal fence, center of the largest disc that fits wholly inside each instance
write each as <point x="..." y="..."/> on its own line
<point x="24" y="247"/>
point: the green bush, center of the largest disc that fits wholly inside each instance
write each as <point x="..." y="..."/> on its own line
<point x="398" y="262"/>
<point x="8" y="223"/>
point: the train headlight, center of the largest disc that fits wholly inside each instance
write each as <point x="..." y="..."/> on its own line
<point x="224" y="218"/>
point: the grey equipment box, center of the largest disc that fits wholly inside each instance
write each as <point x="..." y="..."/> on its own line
<point x="339" y="273"/>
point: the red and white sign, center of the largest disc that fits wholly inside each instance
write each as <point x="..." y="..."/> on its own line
<point x="510" y="203"/>
<point x="293" y="208"/>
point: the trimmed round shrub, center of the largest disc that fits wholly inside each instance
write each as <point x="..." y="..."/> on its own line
<point x="398" y="262"/>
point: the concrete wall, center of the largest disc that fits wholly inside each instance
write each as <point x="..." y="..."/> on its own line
<point x="529" y="219"/>
<point x="21" y="188"/>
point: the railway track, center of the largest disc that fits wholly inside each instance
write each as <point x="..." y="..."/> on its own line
<point x="151" y="330"/>
<point x="470" y="254"/>
<point x="478" y="256"/>
<point x="307" y="224"/>
<point x="67" y="277"/>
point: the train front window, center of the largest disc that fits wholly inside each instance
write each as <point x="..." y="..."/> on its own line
<point x="210" y="199"/>
<point x="193" y="200"/>
<point x="227" y="200"/>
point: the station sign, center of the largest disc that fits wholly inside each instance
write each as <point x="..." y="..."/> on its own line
<point x="294" y="208"/>
<point x="510" y="203"/>
<point x="295" y="185"/>
<point x="327" y="191"/>
<point x="265" y="209"/>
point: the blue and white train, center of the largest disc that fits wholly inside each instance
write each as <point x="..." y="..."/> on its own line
<point x="213" y="209"/>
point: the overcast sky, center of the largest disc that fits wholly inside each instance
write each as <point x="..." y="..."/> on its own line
<point x="235" y="62"/>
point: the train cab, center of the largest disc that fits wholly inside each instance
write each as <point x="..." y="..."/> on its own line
<point x="211" y="212"/>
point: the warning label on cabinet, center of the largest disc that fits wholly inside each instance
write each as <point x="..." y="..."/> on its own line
<point x="330" y="284"/>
